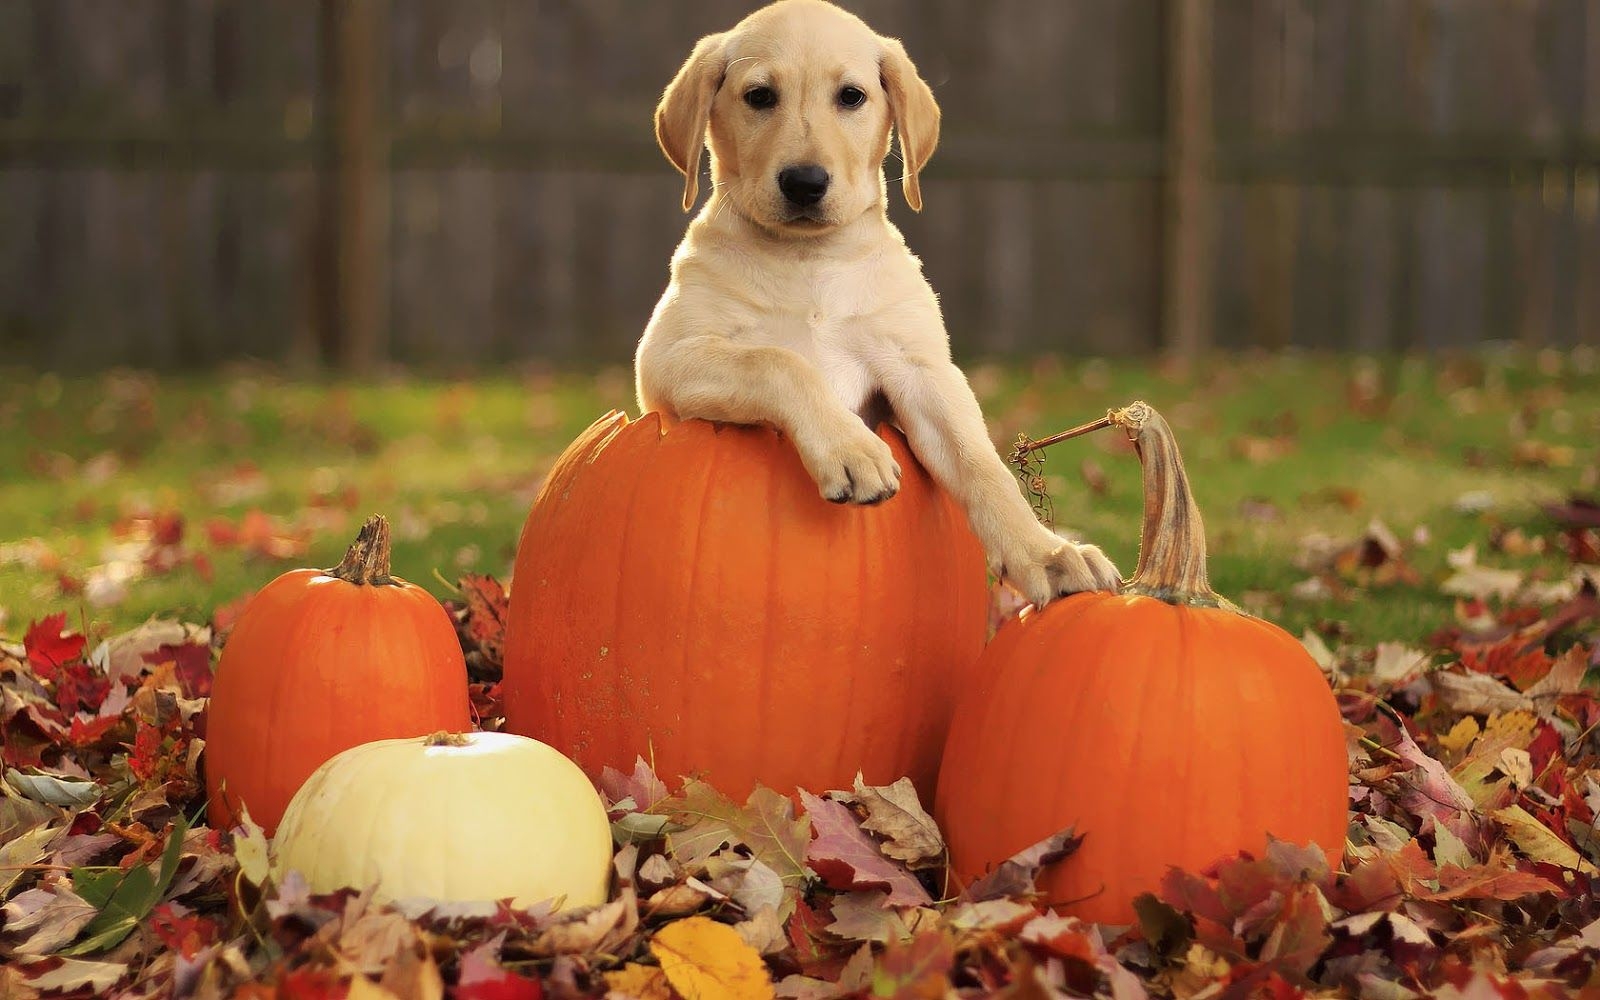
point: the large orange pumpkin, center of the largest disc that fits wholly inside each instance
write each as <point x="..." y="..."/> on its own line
<point x="682" y="592"/>
<point x="1161" y="723"/>
<point x="321" y="661"/>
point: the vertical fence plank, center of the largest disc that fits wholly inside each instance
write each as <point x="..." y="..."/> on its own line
<point x="1186" y="289"/>
<point x="362" y="157"/>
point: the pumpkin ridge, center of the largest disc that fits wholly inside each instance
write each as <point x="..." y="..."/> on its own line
<point x="717" y="457"/>
<point x="865" y="599"/>
<point x="1138" y="809"/>
<point x="612" y="431"/>
<point x="622" y="599"/>
<point x="773" y="529"/>
<point x="284" y="691"/>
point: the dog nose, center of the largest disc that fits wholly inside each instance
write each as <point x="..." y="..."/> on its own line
<point x="803" y="186"/>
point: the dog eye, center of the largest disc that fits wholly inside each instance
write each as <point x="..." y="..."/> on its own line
<point x="761" y="98"/>
<point x="852" y="97"/>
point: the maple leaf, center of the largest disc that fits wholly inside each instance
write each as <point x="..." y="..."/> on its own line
<point x="480" y="621"/>
<point x="847" y="858"/>
<point x="191" y="663"/>
<point x="146" y="760"/>
<point x="766" y="825"/>
<point x="79" y="685"/>
<point x="705" y="960"/>
<point x="181" y="930"/>
<point x="640" y="982"/>
<point x="641" y="788"/>
<point x="50" y="646"/>
<point x="917" y="968"/>
<point x="1017" y="875"/>
<point x="84" y="733"/>
<point x="895" y="813"/>
<point x="1489" y="882"/>
<point x="809" y="947"/>
<point x="1299" y="933"/>
<point x="866" y="916"/>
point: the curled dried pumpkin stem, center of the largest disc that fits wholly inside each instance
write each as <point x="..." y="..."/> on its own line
<point x="445" y="738"/>
<point x="1172" y="541"/>
<point x="367" y="559"/>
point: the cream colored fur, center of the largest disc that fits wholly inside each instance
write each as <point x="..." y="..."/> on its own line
<point x="817" y="321"/>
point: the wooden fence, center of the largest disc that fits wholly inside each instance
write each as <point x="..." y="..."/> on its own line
<point x="475" y="181"/>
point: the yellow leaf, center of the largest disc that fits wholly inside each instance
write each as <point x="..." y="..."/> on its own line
<point x="250" y="848"/>
<point x="1536" y="840"/>
<point x="644" y="982"/>
<point x="1460" y="736"/>
<point x="705" y="960"/>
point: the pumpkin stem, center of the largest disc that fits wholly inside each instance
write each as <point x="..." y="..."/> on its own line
<point x="445" y="738"/>
<point x="367" y="559"/>
<point x="1172" y="543"/>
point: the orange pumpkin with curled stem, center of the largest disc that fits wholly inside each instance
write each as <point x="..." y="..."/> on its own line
<point x="321" y="661"/>
<point x="1163" y="724"/>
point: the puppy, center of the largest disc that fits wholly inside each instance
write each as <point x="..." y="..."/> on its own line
<point x="793" y="300"/>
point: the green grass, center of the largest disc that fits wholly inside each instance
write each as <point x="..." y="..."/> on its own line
<point x="454" y="464"/>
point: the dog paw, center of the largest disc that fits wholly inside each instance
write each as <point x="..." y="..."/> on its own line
<point x="855" y="467"/>
<point x="1067" y="568"/>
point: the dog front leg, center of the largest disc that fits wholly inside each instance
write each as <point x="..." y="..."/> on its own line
<point x="942" y="420"/>
<point x="714" y="378"/>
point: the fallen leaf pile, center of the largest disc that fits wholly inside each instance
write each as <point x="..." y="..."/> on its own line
<point x="1470" y="868"/>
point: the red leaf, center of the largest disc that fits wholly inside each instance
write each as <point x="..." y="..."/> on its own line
<point x="846" y="857"/>
<point x="145" y="761"/>
<point x="487" y="702"/>
<point x="811" y="950"/>
<point x="83" y="734"/>
<point x="1516" y="659"/>
<point x="485" y="622"/>
<point x="80" y="685"/>
<point x="1489" y="882"/>
<point x="181" y="930"/>
<point x="307" y="983"/>
<point x="50" y="646"/>
<point x="191" y="664"/>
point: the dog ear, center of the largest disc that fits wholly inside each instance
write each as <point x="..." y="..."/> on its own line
<point x="916" y="116"/>
<point x="685" y="109"/>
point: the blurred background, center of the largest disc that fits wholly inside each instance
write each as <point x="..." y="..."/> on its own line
<point x="454" y="184"/>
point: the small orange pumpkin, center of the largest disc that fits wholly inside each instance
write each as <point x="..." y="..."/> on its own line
<point x="682" y="592"/>
<point x="1163" y="724"/>
<point x="321" y="661"/>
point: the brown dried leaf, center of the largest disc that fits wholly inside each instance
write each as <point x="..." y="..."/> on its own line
<point x="895" y="813"/>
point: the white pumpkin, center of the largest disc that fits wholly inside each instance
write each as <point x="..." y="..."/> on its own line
<point x="462" y="818"/>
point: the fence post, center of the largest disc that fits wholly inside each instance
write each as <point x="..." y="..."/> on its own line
<point x="1188" y="219"/>
<point x="361" y="164"/>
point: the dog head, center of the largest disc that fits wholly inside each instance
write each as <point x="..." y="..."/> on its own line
<point x="796" y="102"/>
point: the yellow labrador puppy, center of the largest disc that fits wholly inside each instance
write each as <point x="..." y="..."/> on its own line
<point x="794" y="302"/>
